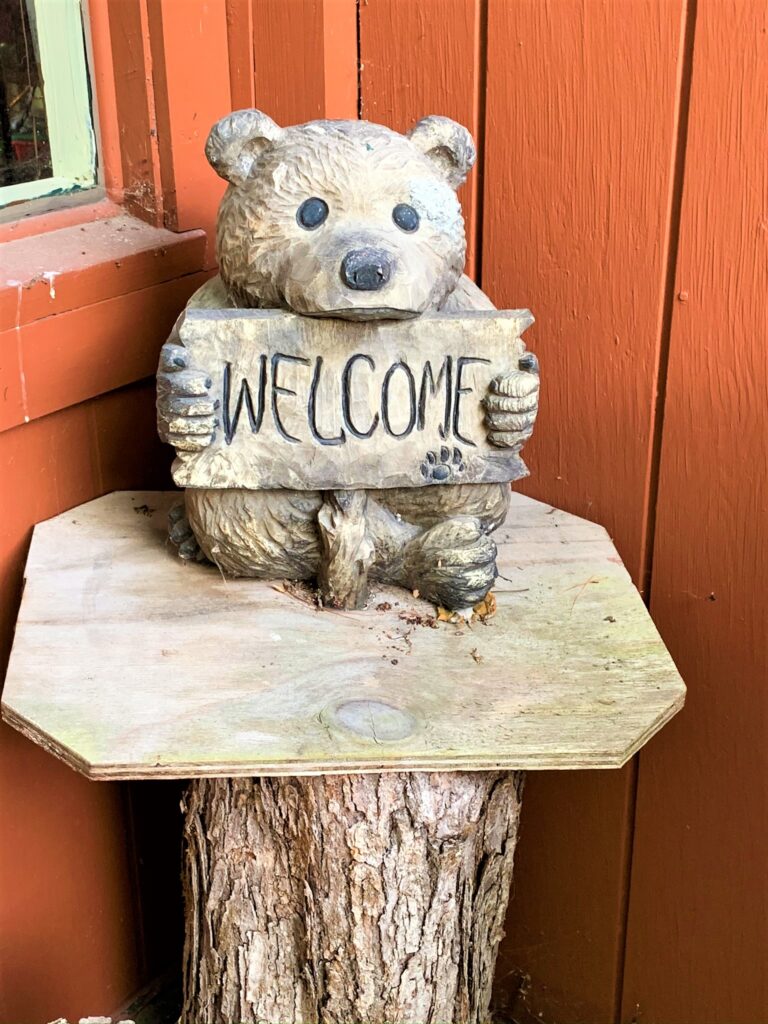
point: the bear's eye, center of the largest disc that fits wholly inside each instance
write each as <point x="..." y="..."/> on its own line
<point x="312" y="213"/>
<point x="405" y="217"/>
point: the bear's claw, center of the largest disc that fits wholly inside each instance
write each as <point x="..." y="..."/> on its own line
<point x="185" y="410"/>
<point x="512" y="403"/>
<point x="453" y="564"/>
<point x="181" y="536"/>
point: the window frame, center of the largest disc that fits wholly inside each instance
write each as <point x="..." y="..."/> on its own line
<point x="149" y="114"/>
<point x="104" y="269"/>
<point x="61" y="27"/>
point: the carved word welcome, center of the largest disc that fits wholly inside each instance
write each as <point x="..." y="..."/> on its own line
<point x="322" y="403"/>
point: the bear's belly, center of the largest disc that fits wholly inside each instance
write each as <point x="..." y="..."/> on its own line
<point x="426" y="506"/>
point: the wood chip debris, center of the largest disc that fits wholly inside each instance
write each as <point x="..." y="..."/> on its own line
<point x="414" y="618"/>
<point x="481" y="612"/>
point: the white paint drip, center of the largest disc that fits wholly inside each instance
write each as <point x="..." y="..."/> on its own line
<point x="50" y="276"/>
<point x="17" y="328"/>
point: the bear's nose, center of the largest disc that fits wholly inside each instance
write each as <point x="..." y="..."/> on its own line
<point x="366" y="270"/>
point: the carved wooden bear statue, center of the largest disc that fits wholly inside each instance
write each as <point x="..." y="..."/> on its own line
<point x="343" y="219"/>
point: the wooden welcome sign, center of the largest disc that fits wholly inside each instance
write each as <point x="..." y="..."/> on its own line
<point x="311" y="403"/>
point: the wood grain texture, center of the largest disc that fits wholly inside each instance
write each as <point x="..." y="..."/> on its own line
<point x="371" y="898"/>
<point x="86" y="263"/>
<point x="699" y="886"/>
<point x="580" y="140"/>
<point x="191" y="90"/>
<point x="165" y="107"/>
<point x="426" y="58"/>
<point x="347" y="552"/>
<point x="240" y="46"/>
<point x="72" y="937"/>
<point x="581" y="111"/>
<point x="304" y="691"/>
<point x="140" y="186"/>
<point x="305" y="59"/>
<point x="65" y="855"/>
<point x="59" y="361"/>
<point x="396" y="431"/>
<point x="66" y="458"/>
<point x="102" y="71"/>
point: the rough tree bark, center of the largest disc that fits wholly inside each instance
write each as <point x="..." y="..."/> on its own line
<point x="347" y="899"/>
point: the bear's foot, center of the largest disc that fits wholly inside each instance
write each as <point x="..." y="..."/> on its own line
<point x="181" y="536"/>
<point x="453" y="564"/>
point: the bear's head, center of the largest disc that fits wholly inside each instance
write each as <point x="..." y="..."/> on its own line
<point x="340" y="218"/>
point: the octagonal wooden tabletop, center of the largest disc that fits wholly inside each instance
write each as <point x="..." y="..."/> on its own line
<point x="130" y="664"/>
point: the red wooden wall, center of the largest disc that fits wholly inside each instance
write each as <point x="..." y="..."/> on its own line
<point x="620" y="192"/>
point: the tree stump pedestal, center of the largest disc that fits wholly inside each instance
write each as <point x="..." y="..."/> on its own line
<point x="346" y="898"/>
<point x="356" y="775"/>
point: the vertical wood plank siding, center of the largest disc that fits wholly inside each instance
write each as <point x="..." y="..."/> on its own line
<point x="77" y="936"/>
<point x="140" y="185"/>
<point x="305" y="59"/>
<point x="698" y="922"/>
<point x="427" y="58"/>
<point x="191" y="91"/>
<point x="581" y="119"/>
<point x="70" y="936"/>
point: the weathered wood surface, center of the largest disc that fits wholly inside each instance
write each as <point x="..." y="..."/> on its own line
<point x="129" y="663"/>
<point x="348" y="552"/>
<point x="596" y="207"/>
<point x="372" y="898"/>
<point x="310" y="403"/>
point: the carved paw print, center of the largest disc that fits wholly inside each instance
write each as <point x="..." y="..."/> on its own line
<point x="442" y="466"/>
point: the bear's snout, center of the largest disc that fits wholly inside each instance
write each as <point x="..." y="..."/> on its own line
<point x="366" y="270"/>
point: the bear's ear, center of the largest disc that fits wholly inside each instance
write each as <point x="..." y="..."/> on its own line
<point x="237" y="141"/>
<point x="447" y="144"/>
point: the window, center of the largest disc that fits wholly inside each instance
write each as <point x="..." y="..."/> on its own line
<point x="47" y="142"/>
